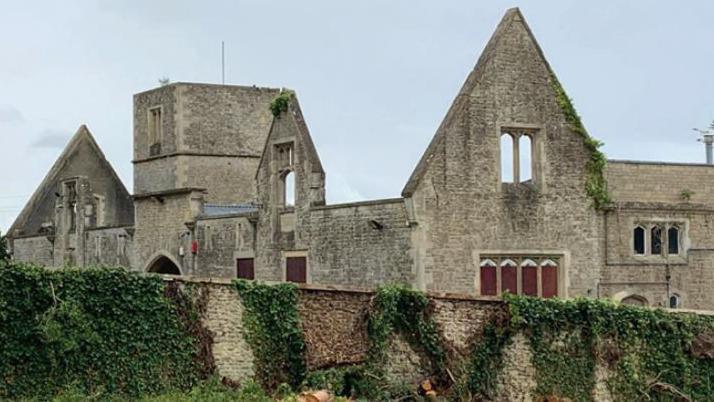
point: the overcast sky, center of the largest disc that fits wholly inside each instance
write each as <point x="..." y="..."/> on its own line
<point x="374" y="78"/>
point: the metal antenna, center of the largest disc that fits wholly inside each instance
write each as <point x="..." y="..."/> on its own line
<point x="708" y="140"/>
<point x="223" y="63"/>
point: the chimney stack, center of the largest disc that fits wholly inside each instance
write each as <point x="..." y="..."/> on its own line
<point x="708" y="140"/>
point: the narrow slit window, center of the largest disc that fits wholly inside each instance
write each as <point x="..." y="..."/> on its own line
<point x="656" y="240"/>
<point x="525" y="144"/>
<point x="155" y="134"/>
<point x="639" y="240"/>
<point x="507" y="170"/>
<point x="673" y="240"/>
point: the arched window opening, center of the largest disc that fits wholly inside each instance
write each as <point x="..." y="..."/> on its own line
<point x="488" y="278"/>
<point x="289" y="189"/>
<point x="673" y="240"/>
<point x="525" y="151"/>
<point x="507" y="158"/>
<point x="509" y="277"/>
<point x="675" y="301"/>
<point x="656" y="240"/>
<point x="549" y="278"/>
<point x="634" y="300"/>
<point x="163" y="265"/>
<point x="639" y="240"/>
<point x="529" y="278"/>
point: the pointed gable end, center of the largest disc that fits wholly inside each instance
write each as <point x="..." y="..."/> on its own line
<point x="511" y="85"/>
<point x="82" y="157"/>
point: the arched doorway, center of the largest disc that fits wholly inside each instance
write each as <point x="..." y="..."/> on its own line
<point x="634" y="300"/>
<point x="163" y="265"/>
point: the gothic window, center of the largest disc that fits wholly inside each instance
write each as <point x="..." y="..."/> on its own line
<point x="529" y="278"/>
<point x="656" y="240"/>
<point x="675" y="301"/>
<point x="549" y="278"/>
<point x="488" y="278"/>
<point x="507" y="158"/>
<point x="155" y="131"/>
<point x="526" y="275"/>
<point x="509" y="277"/>
<point x="639" y="240"/>
<point x="673" y="240"/>
<point x="525" y="144"/>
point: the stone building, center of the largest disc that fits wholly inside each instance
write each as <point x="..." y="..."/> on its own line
<point x="228" y="183"/>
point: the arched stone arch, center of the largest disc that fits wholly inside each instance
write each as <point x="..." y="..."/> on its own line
<point x="162" y="263"/>
<point x="630" y="298"/>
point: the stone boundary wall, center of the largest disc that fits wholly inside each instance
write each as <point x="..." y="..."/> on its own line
<point x="334" y="320"/>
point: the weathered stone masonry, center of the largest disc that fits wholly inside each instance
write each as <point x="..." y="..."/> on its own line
<point x="226" y="185"/>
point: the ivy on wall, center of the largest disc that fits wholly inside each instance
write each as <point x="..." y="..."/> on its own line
<point x="596" y="184"/>
<point x="99" y="331"/>
<point x="273" y="332"/>
<point x="649" y="351"/>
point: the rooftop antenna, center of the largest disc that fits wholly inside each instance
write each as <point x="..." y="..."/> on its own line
<point x="223" y="63"/>
<point x="708" y="140"/>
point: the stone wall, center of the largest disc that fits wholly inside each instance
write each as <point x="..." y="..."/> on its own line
<point x="221" y="240"/>
<point x="333" y="321"/>
<point x="36" y="250"/>
<point x="112" y="247"/>
<point x="464" y="211"/>
<point x="659" y="181"/>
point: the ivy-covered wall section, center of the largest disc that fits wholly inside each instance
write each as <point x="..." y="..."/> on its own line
<point x="106" y="332"/>
<point x="99" y="331"/>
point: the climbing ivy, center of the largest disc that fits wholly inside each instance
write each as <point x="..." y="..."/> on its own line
<point x="596" y="184"/>
<point x="648" y="350"/>
<point x="399" y="309"/>
<point x="273" y="331"/>
<point x="99" y="331"/>
<point x="280" y="103"/>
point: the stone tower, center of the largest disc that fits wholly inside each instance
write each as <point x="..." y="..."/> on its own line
<point x="193" y="144"/>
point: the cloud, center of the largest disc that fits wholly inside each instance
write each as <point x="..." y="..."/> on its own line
<point x="9" y="114"/>
<point x="51" y="138"/>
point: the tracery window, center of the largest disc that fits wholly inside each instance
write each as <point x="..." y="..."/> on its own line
<point x="524" y="275"/>
<point x="517" y="155"/>
<point x="657" y="239"/>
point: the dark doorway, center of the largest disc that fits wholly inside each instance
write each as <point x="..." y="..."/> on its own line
<point x="296" y="269"/>
<point x="163" y="265"/>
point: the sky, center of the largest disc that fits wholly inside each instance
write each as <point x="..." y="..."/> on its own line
<point x="374" y="78"/>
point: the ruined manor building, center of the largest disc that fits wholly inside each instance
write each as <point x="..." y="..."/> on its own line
<point x="507" y="197"/>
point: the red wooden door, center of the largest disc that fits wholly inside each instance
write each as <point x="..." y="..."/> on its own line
<point x="245" y="268"/>
<point x="529" y="277"/>
<point x="549" y="277"/>
<point x="296" y="269"/>
<point x="488" y="280"/>
<point x="509" y="279"/>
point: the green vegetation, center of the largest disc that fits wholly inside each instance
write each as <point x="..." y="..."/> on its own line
<point x="105" y="334"/>
<point x="273" y="332"/>
<point x="596" y="184"/>
<point x="280" y="103"/>
<point x="4" y="254"/>
<point x="649" y="350"/>
<point x="97" y="331"/>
